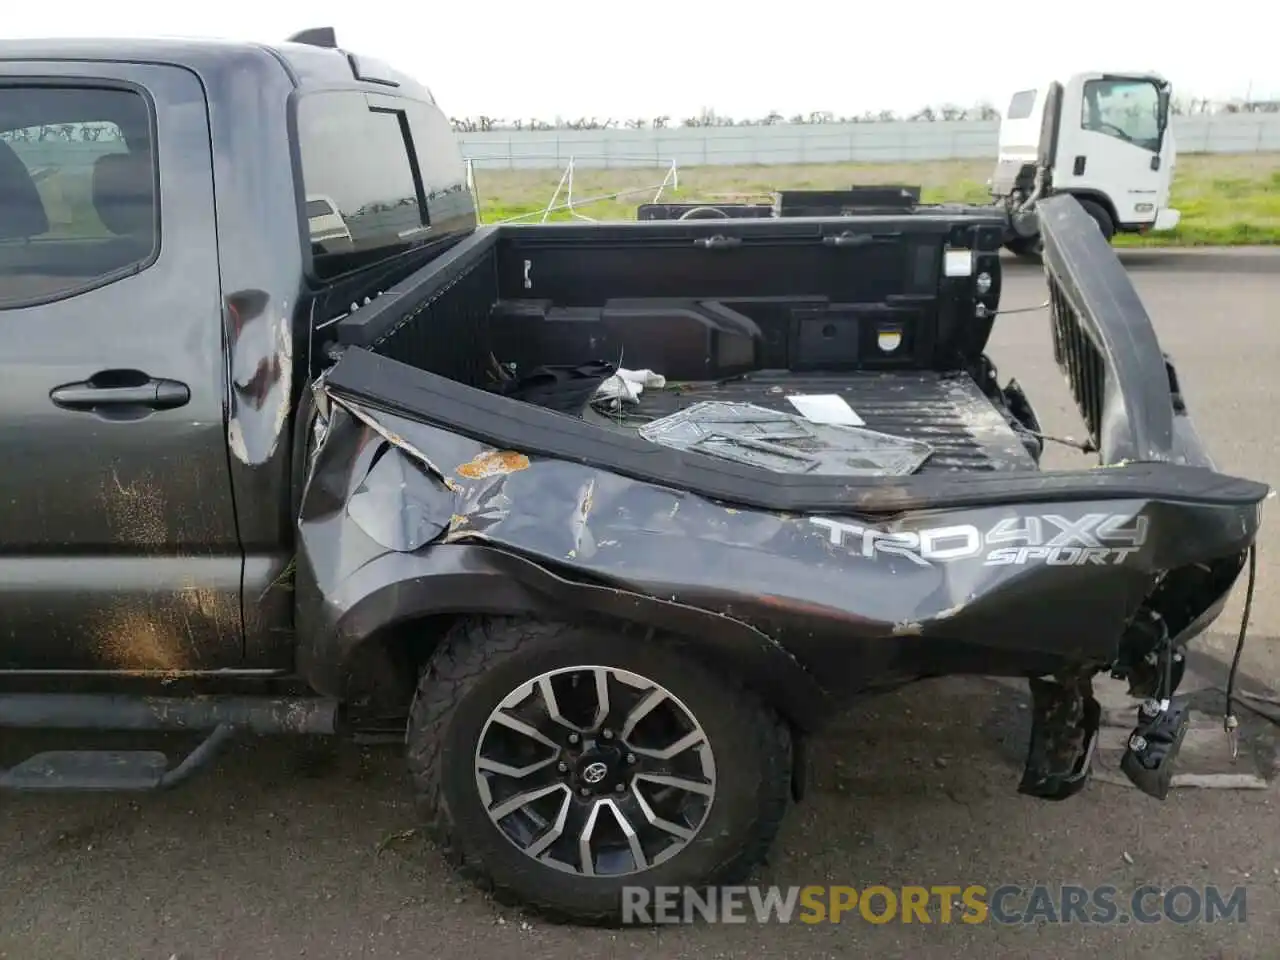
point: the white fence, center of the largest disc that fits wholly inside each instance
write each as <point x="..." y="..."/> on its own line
<point x="892" y="142"/>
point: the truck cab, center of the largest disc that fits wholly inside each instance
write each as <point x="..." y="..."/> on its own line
<point x="172" y="213"/>
<point x="1104" y="138"/>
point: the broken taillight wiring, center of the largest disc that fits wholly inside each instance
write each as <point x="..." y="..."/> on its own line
<point x="1002" y="313"/>
<point x="1230" y="722"/>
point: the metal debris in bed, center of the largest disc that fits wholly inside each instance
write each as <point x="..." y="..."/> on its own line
<point x="785" y="443"/>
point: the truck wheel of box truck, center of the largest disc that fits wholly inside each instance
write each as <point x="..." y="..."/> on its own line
<point x="556" y="765"/>
<point x="1031" y="248"/>
<point x="1100" y="216"/>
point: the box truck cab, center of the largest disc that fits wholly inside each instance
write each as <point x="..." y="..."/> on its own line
<point x="1105" y="138"/>
<point x="328" y="228"/>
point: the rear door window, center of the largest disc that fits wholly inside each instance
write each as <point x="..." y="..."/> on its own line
<point x="78" y="182"/>
<point x="444" y="172"/>
<point x="364" y="196"/>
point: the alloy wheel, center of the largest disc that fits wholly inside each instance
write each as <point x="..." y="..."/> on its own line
<point x="595" y="771"/>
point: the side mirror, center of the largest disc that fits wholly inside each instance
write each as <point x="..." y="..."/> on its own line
<point x="1163" y="119"/>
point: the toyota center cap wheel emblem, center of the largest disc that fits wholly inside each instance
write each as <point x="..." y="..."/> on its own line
<point x="595" y="772"/>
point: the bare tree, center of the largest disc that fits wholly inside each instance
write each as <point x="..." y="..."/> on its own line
<point x="708" y="117"/>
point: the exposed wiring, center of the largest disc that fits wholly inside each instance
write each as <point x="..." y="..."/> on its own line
<point x="617" y="415"/>
<point x="1230" y="722"/>
<point x="1084" y="446"/>
<point x="1000" y="313"/>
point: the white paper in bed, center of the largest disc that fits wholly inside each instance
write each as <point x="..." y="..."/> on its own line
<point x="829" y="408"/>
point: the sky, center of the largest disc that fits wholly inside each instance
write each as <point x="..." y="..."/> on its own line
<point x="613" y="59"/>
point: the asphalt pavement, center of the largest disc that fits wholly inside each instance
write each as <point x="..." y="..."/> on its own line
<point x="295" y="849"/>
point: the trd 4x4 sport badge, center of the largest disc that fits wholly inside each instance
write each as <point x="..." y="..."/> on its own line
<point x="1097" y="539"/>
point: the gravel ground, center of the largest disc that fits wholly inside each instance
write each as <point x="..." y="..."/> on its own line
<point x="292" y="849"/>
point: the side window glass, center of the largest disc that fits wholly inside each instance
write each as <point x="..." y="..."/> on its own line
<point x="364" y="198"/>
<point x="444" y="173"/>
<point x="1127" y="110"/>
<point x="78" y="201"/>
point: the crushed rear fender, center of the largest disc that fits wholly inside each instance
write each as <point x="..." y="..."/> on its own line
<point x="386" y="539"/>
<point x="425" y="497"/>
<point x="403" y="520"/>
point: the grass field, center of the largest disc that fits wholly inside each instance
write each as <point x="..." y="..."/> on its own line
<point x="1226" y="200"/>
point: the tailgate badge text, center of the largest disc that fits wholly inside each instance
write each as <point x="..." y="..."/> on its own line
<point x="1094" y="539"/>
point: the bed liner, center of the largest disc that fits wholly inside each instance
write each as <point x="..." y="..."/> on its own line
<point x="948" y="411"/>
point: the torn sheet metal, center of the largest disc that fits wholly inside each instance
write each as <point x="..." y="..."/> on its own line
<point x="393" y="503"/>
<point x="859" y="604"/>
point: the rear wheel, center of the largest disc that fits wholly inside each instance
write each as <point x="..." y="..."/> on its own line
<point x="558" y="764"/>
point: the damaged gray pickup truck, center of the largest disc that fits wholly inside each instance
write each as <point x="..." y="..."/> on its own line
<point x="602" y="521"/>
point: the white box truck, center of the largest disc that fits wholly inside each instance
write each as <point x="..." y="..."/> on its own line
<point x="1104" y="138"/>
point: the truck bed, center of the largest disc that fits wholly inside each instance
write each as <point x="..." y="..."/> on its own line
<point x="947" y="411"/>
<point x="731" y="310"/>
<point x="792" y="307"/>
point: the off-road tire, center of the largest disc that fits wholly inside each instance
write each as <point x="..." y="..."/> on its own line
<point x="481" y="660"/>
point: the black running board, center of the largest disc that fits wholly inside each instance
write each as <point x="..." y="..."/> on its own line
<point x="110" y="770"/>
<point x="145" y="770"/>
